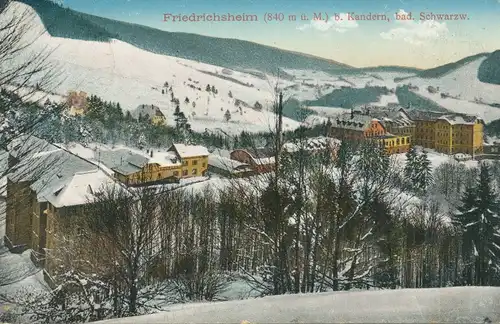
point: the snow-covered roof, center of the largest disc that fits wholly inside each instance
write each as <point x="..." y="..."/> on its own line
<point x="312" y="144"/>
<point x="452" y="118"/>
<point x="187" y="151"/>
<point x="225" y="163"/>
<point x="432" y="305"/>
<point x="221" y="152"/>
<point x="60" y="177"/>
<point x="354" y="121"/>
<point x="25" y="146"/>
<point x="81" y="188"/>
<point x="126" y="162"/>
<point x="164" y="159"/>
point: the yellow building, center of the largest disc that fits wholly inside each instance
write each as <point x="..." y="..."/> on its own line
<point x="77" y="103"/>
<point x="151" y="113"/>
<point x="394" y="144"/>
<point x="179" y="162"/>
<point x="448" y="133"/>
<point x="159" y="118"/>
<point x="194" y="159"/>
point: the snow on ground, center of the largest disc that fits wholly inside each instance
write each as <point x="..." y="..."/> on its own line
<point x="386" y="100"/>
<point x="32" y="95"/>
<point x="328" y="111"/>
<point x="436" y="305"/>
<point x="435" y="158"/>
<point x="18" y="273"/>
<point x="120" y="72"/>
<point x="462" y="83"/>
<point x="486" y="112"/>
<point x="310" y="85"/>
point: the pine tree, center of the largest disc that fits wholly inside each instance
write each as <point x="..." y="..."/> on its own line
<point x="227" y="115"/>
<point x="479" y="222"/>
<point x="423" y="172"/>
<point x="230" y="94"/>
<point x="213" y="89"/>
<point x="208" y="88"/>
<point x="186" y="100"/>
<point x="162" y="91"/>
<point x="488" y="230"/>
<point x="177" y="110"/>
<point x="411" y="166"/>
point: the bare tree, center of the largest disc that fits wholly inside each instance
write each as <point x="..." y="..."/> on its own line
<point x="126" y="227"/>
<point x="24" y="63"/>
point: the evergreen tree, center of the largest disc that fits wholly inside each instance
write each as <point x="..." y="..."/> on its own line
<point x="411" y="160"/>
<point x="227" y="115"/>
<point x="177" y="110"/>
<point x="162" y="91"/>
<point x="186" y="100"/>
<point x="208" y="88"/>
<point x="213" y="89"/>
<point x="423" y="172"/>
<point x="230" y="94"/>
<point x="479" y="223"/>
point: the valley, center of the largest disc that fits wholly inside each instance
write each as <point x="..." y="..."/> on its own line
<point x="190" y="178"/>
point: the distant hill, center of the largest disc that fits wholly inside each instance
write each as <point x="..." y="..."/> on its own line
<point x="230" y="53"/>
<point x="489" y="70"/>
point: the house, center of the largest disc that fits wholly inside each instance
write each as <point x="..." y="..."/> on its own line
<point x="77" y="103"/>
<point x="313" y="145"/>
<point x="229" y="168"/>
<point x="46" y="188"/>
<point x="151" y="113"/>
<point x="261" y="160"/>
<point x="395" y="121"/>
<point x="362" y="126"/>
<point x="135" y="169"/>
<point x="356" y="126"/>
<point x="194" y="159"/>
<point x="448" y="133"/>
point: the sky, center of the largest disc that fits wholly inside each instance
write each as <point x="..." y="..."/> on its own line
<point x="402" y="32"/>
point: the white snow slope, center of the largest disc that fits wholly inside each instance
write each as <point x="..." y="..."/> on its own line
<point x="467" y="94"/>
<point x="120" y="72"/>
<point x="437" y="305"/>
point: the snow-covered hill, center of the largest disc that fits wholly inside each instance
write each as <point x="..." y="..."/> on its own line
<point x="120" y="72"/>
<point x="437" y="305"/>
<point x="460" y="91"/>
<point x="462" y="83"/>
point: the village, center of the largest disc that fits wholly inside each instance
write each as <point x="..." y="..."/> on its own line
<point x="69" y="177"/>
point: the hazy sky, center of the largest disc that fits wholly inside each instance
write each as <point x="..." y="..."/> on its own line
<point x="418" y="43"/>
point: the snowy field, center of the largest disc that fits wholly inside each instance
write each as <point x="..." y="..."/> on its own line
<point x="486" y="112"/>
<point x="462" y="83"/>
<point x="438" y="305"/>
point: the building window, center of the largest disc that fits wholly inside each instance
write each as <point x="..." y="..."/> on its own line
<point x="193" y="172"/>
<point x="159" y="175"/>
<point x="184" y="163"/>
<point x="203" y="164"/>
<point x="176" y="173"/>
<point x="185" y="172"/>
<point x="195" y="162"/>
